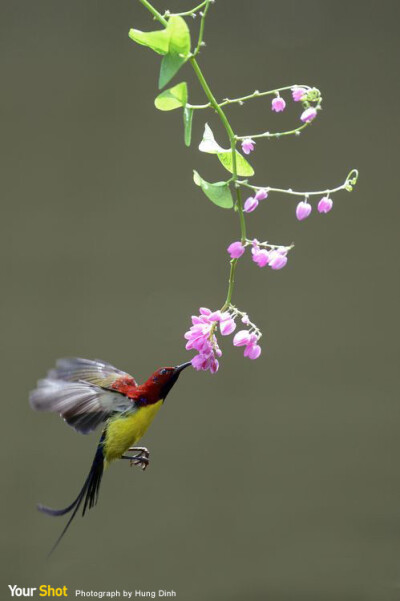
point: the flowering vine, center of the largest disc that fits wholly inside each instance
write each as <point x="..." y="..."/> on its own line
<point x="173" y="43"/>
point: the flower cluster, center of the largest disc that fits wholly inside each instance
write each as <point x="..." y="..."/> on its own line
<point x="301" y="94"/>
<point x="275" y="258"/>
<point x="250" y="341"/>
<point x="303" y="209"/>
<point x="263" y="253"/>
<point x="278" y="104"/>
<point x="202" y="337"/>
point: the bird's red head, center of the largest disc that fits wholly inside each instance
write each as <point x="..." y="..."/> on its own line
<point x="161" y="381"/>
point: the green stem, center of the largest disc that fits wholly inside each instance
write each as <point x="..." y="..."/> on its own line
<point x="188" y="13"/>
<point x="267" y="134"/>
<point x="257" y="94"/>
<point x="231" y="285"/>
<point x="213" y="102"/>
<point x="154" y="12"/>
<point x="231" y="136"/>
<point x="351" y="180"/>
<point x="232" y="141"/>
<point x="201" y="31"/>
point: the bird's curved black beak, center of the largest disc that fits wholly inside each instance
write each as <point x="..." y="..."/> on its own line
<point x="181" y="367"/>
<point x="174" y="377"/>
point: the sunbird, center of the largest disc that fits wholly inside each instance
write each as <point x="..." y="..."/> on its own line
<point x="88" y="393"/>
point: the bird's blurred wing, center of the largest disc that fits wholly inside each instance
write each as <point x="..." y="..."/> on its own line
<point x="100" y="373"/>
<point x="83" y="406"/>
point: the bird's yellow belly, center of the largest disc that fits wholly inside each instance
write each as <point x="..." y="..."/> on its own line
<point x="125" y="432"/>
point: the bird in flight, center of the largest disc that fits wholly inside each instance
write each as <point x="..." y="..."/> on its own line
<point x="88" y="393"/>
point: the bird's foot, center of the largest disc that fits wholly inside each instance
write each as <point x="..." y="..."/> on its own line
<point x="140" y="460"/>
<point x="141" y="457"/>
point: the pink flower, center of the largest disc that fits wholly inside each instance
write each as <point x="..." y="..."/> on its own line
<point x="252" y="351"/>
<point x="242" y="338"/>
<point x="277" y="259"/>
<point x="298" y="93"/>
<point x="200" y="362"/>
<point x="236" y="249"/>
<point x="325" y="205"/>
<point x="248" y="145"/>
<point x="260" y="256"/>
<point x="245" y="338"/>
<point x="250" y="205"/>
<point x="204" y="362"/>
<point x="309" y="114"/>
<point x="278" y="104"/>
<point x="261" y="194"/>
<point x="227" y="324"/>
<point x="200" y="338"/>
<point x="214" y="365"/>
<point x="303" y="210"/>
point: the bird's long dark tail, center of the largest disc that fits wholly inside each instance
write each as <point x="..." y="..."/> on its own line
<point x="88" y="494"/>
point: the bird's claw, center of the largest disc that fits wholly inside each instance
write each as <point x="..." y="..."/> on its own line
<point x="142" y="459"/>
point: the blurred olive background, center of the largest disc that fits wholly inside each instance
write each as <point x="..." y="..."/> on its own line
<point x="276" y="479"/>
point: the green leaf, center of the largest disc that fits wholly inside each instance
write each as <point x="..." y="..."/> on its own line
<point x="179" y="36"/>
<point x="156" y="40"/>
<point x="219" y="193"/>
<point x="209" y="143"/>
<point x="211" y="146"/>
<point x="242" y="166"/>
<point x="170" y="65"/>
<point x="187" y="123"/>
<point x="172" y="98"/>
<point x="178" y="49"/>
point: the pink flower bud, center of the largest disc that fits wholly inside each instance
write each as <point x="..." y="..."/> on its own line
<point x="261" y="194"/>
<point x="204" y="311"/>
<point x="214" y="316"/>
<point x="325" y="205"/>
<point x="250" y="205"/>
<point x="303" y="210"/>
<point x="298" y="93"/>
<point x="242" y="338"/>
<point x="278" y="104"/>
<point x="227" y="327"/>
<point x="200" y="362"/>
<point x="309" y="114"/>
<point x="260" y="256"/>
<point x="236" y="249"/>
<point x="277" y="260"/>
<point x="214" y="365"/>
<point x="248" y="145"/>
<point x="252" y="351"/>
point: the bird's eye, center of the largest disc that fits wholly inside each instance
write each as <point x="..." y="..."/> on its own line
<point x="163" y="372"/>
